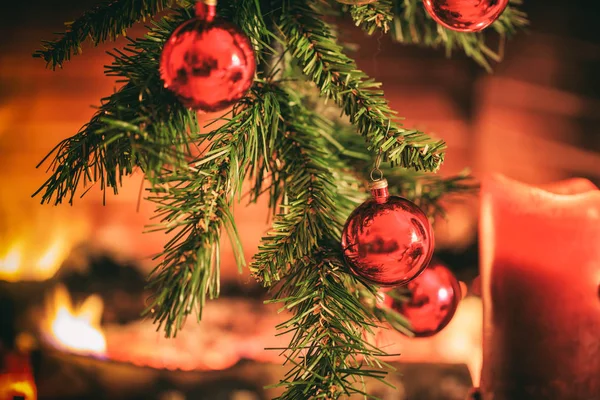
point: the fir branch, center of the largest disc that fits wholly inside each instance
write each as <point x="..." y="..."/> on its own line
<point x="248" y="15"/>
<point x="512" y="19"/>
<point x="428" y="191"/>
<point x="314" y="45"/>
<point x="304" y="167"/>
<point x="413" y="25"/>
<point x="328" y="349"/>
<point x="195" y="205"/>
<point x="373" y="17"/>
<point x="425" y="189"/>
<point x="104" y="22"/>
<point x="141" y="125"/>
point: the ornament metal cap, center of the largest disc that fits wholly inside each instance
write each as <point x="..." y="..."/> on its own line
<point x="206" y="10"/>
<point x="379" y="190"/>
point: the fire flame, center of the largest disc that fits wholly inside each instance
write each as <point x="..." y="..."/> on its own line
<point x="18" y="264"/>
<point x="74" y="329"/>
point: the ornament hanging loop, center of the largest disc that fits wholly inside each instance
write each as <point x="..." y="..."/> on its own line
<point x="376" y="175"/>
<point x="376" y="172"/>
<point x="378" y="185"/>
<point x="206" y="10"/>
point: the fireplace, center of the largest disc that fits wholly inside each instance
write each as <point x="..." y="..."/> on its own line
<point x="80" y="334"/>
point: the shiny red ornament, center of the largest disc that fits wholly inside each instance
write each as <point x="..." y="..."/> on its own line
<point x="208" y="63"/>
<point x="387" y="240"/>
<point x="433" y="299"/>
<point x="465" y="15"/>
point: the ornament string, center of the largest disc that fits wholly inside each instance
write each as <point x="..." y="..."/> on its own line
<point x="376" y="173"/>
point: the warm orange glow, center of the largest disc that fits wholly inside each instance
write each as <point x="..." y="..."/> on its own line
<point x="458" y="343"/>
<point x="19" y="262"/>
<point x="15" y="385"/>
<point x="16" y="379"/>
<point x="49" y="262"/>
<point x="10" y="263"/>
<point x="74" y="329"/>
<point x="461" y="340"/>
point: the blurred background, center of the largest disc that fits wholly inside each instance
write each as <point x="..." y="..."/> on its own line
<point x="536" y="118"/>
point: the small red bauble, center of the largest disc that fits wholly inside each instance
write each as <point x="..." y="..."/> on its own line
<point x="433" y="299"/>
<point x="465" y="15"/>
<point x="208" y="63"/>
<point x="387" y="240"/>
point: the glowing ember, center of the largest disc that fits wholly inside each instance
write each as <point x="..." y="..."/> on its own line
<point x="232" y="330"/>
<point x="74" y="329"/>
<point x="18" y="263"/>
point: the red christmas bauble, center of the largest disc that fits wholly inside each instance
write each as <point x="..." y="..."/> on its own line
<point x="465" y="15"/>
<point x="433" y="299"/>
<point x="208" y="63"/>
<point x="387" y="240"/>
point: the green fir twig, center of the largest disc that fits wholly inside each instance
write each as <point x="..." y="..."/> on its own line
<point x="407" y="22"/>
<point x="329" y="354"/>
<point x="105" y="22"/>
<point x="140" y="125"/>
<point x="313" y="43"/>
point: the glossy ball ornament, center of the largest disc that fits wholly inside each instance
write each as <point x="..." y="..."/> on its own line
<point x="387" y="240"/>
<point x="465" y="15"/>
<point x="433" y="299"/>
<point x="208" y="63"/>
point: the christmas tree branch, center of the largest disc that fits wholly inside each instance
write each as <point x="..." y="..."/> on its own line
<point x="195" y="204"/>
<point x="248" y="15"/>
<point x="329" y="327"/>
<point x="314" y="46"/>
<point x="408" y="22"/>
<point x="304" y="169"/>
<point x="373" y="17"/>
<point x="140" y="125"/>
<point x="105" y="22"/>
<point x="329" y="321"/>
<point x="428" y="191"/>
<point x="425" y="189"/>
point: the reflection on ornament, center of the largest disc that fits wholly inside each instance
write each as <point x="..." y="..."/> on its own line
<point x="387" y="240"/>
<point x="433" y="299"/>
<point x="208" y="63"/>
<point x="465" y="15"/>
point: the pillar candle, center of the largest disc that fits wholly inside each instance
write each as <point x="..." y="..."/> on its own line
<point x="540" y="271"/>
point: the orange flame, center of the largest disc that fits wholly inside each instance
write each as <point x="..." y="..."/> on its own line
<point x="74" y="329"/>
<point x="18" y="264"/>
